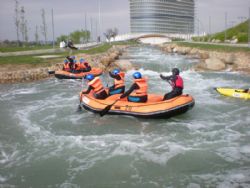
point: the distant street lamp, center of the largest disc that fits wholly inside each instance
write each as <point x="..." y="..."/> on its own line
<point x="249" y="29"/>
<point x="225" y="37"/>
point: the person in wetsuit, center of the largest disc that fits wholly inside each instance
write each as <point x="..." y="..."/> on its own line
<point x="176" y="82"/>
<point x="138" y="91"/>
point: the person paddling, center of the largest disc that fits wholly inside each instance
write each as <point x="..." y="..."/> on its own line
<point x="118" y="86"/>
<point x="138" y="91"/>
<point x="96" y="86"/>
<point x="176" y="82"/>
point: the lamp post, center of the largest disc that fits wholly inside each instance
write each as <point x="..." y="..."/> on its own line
<point x="99" y="13"/>
<point x="249" y="29"/>
<point x="225" y="37"/>
<point x="53" y="31"/>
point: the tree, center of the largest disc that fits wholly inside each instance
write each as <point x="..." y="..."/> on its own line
<point x="44" y="26"/>
<point x="36" y="35"/>
<point x="62" y="38"/>
<point x="23" y="25"/>
<point x="111" y="33"/>
<point x="17" y="20"/>
<point x="79" y="36"/>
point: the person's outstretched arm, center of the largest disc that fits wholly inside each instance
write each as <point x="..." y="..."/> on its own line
<point x="131" y="89"/>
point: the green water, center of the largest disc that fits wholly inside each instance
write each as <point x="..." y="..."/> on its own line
<point x="45" y="142"/>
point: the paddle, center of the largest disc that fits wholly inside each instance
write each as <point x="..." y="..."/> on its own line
<point x="107" y="108"/>
<point x="51" y="72"/>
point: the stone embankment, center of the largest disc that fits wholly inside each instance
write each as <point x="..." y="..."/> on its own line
<point x="213" y="60"/>
<point x="106" y="61"/>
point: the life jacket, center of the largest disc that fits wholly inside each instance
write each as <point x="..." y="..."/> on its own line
<point x="119" y="83"/>
<point x="66" y="67"/>
<point x="179" y="82"/>
<point x="96" y="84"/>
<point x="78" y="66"/>
<point x="143" y="87"/>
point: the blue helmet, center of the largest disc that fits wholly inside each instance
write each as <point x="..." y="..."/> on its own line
<point x="116" y="71"/>
<point x="82" y="60"/>
<point x="137" y="75"/>
<point x="89" y="77"/>
<point x="75" y="61"/>
<point x="65" y="61"/>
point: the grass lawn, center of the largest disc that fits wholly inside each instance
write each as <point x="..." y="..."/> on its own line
<point x="27" y="48"/>
<point x="35" y="60"/>
<point x="214" y="47"/>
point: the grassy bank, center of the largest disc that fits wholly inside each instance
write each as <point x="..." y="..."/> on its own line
<point x="214" y="47"/>
<point x="37" y="60"/>
<point x="5" y="48"/>
<point x="239" y="32"/>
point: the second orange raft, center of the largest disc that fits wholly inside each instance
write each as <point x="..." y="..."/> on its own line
<point x="69" y="75"/>
<point x="153" y="108"/>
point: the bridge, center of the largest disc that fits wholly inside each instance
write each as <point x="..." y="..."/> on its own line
<point x="151" y="38"/>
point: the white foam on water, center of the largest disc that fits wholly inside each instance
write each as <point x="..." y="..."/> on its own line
<point x="245" y="149"/>
<point x="3" y="179"/>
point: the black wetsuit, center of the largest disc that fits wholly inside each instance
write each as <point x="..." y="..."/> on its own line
<point x="71" y="63"/>
<point x="176" y="91"/>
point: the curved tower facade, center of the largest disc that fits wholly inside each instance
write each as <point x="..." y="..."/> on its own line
<point x="162" y="16"/>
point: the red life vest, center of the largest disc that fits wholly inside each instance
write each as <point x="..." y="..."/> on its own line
<point x="119" y="83"/>
<point x="179" y="82"/>
<point x="143" y="88"/>
<point x="96" y="84"/>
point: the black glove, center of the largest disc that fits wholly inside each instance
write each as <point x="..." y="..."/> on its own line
<point x="122" y="96"/>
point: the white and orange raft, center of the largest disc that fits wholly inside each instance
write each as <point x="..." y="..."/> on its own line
<point x="69" y="75"/>
<point x="155" y="107"/>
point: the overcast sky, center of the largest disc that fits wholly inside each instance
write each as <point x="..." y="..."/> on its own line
<point x="69" y="15"/>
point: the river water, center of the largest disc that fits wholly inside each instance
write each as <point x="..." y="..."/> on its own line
<point x="45" y="142"/>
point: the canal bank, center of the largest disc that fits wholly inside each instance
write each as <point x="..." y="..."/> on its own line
<point x="213" y="59"/>
<point x="26" y="73"/>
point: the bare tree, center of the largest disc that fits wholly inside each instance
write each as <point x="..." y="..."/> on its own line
<point x="23" y="25"/>
<point x="36" y="35"/>
<point x="17" y="20"/>
<point x="44" y="26"/>
<point x="108" y="34"/>
<point x="111" y="33"/>
<point x="115" y="32"/>
<point x="26" y="35"/>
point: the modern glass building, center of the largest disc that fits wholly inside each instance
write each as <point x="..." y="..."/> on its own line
<point x="162" y="16"/>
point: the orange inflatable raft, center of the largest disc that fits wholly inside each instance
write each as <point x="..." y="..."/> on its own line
<point x="153" y="108"/>
<point x="69" y="75"/>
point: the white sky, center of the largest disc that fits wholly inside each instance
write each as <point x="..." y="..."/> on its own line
<point x="70" y="15"/>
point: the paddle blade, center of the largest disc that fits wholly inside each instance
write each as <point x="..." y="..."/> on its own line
<point x="105" y="110"/>
<point x="51" y="72"/>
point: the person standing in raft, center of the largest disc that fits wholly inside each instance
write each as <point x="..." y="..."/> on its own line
<point x="96" y="86"/>
<point x="72" y="61"/>
<point x="138" y="91"/>
<point x="176" y="82"/>
<point x="119" y="86"/>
